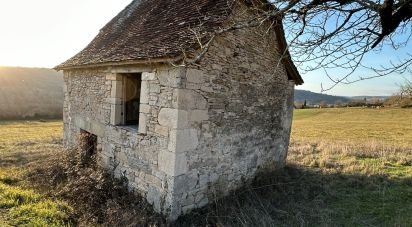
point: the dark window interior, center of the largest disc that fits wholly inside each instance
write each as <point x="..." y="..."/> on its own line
<point x="89" y="146"/>
<point x="131" y="98"/>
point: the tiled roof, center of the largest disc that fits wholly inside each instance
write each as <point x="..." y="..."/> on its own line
<point x="161" y="29"/>
<point x="148" y="29"/>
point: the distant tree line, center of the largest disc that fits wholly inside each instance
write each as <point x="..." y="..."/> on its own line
<point x="367" y="103"/>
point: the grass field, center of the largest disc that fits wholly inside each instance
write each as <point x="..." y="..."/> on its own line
<point x="346" y="167"/>
<point x="390" y="127"/>
<point x="21" y="144"/>
<point x="364" y="160"/>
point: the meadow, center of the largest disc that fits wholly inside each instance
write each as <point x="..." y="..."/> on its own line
<point x="346" y="167"/>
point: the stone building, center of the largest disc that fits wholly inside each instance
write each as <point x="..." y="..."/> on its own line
<point x="183" y="134"/>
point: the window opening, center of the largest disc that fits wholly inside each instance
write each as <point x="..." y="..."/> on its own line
<point x="131" y="98"/>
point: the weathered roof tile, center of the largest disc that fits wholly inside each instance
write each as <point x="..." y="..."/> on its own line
<point x="148" y="29"/>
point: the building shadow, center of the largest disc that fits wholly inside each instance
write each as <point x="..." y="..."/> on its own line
<point x="298" y="196"/>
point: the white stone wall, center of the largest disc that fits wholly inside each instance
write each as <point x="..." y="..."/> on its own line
<point x="145" y="156"/>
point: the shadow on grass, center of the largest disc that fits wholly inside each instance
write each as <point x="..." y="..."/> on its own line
<point x="298" y="196"/>
<point x="20" y="157"/>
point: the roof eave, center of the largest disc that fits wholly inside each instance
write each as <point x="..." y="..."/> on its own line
<point x="145" y="61"/>
<point x="291" y="69"/>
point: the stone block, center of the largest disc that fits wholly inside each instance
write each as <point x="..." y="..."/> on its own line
<point x="172" y="78"/>
<point x="90" y="126"/>
<point x="114" y="101"/>
<point x="155" y="88"/>
<point x="115" y="114"/>
<point x="144" y="93"/>
<point x="114" y="77"/>
<point x="186" y="99"/>
<point x="173" y="118"/>
<point x="193" y="86"/>
<point x="142" y="123"/>
<point x="144" y="108"/>
<point x="186" y="183"/>
<point x="172" y="164"/>
<point x="162" y="130"/>
<point x="183" y="140"/>
<point x="194" y="76"/>
<point x="197" y="116"/>
<point x="148" y="76"/>
<point x="152" y="180"/>
<point x="117" y="89"/>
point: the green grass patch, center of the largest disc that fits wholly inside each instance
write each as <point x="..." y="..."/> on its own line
<point x="24" y="207"/>
<point x="43" y="213"/>
<point x="14" y="196"/>
<point x="8" y="180"/>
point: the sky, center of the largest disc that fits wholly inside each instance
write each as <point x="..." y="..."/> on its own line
<point x="45" y="33"/>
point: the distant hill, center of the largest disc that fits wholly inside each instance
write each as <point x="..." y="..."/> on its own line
<point x="30" y="93"/>
<point x="313" y="98"/>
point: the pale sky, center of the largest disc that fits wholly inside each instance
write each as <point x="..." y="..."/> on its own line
<point x="45" y="33"/>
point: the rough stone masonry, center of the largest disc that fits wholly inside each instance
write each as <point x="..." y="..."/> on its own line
<point x="203" y="130"/>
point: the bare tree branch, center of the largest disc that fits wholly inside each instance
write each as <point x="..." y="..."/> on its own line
<point x="333" y="34"/>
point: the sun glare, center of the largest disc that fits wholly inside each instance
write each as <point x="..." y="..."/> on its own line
<point x="44" y="33"/>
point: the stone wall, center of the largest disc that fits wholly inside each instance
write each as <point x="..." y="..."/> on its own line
<point x="203" y="132"/>
<point x="240" y="104"/>
<point x="92" y="104"/>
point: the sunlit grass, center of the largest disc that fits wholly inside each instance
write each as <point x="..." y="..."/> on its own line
<point x="20" y="132"/>
<point x="43" y="213"/>
<point x="28" y="208"/>
<point x="22" y="143"/>
<point x="392" y="127"/>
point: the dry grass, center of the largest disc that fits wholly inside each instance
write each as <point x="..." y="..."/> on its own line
<point x="99" y="198"/>
<point x="22" y="144"/>
<point x="36" y="176"/>
<point x="29" y="132"/>
<point x="391" y="127"/>
<point x="346" y="167"/>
